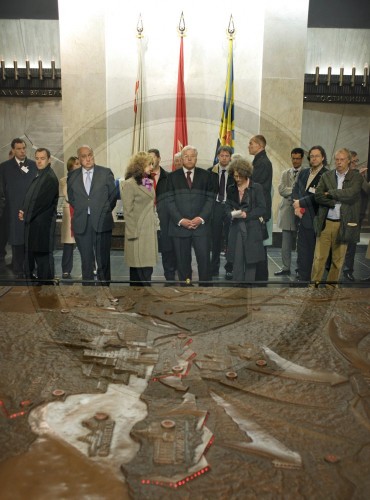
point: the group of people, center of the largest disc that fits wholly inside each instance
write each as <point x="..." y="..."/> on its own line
<point x="322" y="210"/>
<point x="226" y="208"/>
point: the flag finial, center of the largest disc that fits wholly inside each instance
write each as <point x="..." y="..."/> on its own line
<point x="181" y="27"/>
<point x="231" y="27"/>
<point x="140" y="27"/>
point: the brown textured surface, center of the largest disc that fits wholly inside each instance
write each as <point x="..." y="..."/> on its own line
<point x="312" y="397"/>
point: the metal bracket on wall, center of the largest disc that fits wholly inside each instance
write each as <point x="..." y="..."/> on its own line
<point x="30" y="82"/>
<point x="343" y="89"/>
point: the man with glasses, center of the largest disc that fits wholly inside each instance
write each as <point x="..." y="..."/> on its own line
<point x="305" y="208"/>
<point x="338" y="218"/>
<point x="93" y="195"/>
<point x="286" y="217"/>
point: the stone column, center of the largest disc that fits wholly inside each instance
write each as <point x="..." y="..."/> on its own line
<point x="82" y="50"/>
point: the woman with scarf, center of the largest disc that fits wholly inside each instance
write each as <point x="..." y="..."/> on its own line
<point x="141" y="220"/>
<point x="246" y="206"/>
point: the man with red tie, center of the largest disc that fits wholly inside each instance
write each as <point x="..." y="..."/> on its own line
<point x="190" y="203"/>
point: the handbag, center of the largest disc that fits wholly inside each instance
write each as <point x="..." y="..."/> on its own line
<point x="265" y="233"/>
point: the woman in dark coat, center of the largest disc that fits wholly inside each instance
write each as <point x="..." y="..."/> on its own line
<point x="246" y="205"/>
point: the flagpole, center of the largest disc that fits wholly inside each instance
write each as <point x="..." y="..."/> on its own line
<point x="226" y="132"/>
<point x="138" y="137"/>
<point x="181" y="130"/>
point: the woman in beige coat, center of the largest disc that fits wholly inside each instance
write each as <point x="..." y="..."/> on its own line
<point x="141" y="220"/>
<point x="66" y="236"/>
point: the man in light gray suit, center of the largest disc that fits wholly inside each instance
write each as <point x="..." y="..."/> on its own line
<point x="93" y="195"/>
<point x="286" y="217"/>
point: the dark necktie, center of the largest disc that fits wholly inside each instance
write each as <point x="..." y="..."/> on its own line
<point x="21" y="164"/>
<point x="221" y="187"/>
<point x="188" y="178"/>
<point x="295" y="174"/>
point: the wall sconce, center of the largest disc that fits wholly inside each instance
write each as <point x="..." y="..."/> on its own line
<point x="28" y="71"/>
<point x="341" y="73"/>
<point x="328" y="80"/>
<point x="366" y="75"/>
<point x="40" y="70"/>
<point x="15" y="64"/>
<point x="317" y="75"/>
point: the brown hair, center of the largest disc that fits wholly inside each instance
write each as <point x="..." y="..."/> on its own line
<point x="242" y="166"/>
<point x="71" y="162"/>
<point x="136" y="166"/>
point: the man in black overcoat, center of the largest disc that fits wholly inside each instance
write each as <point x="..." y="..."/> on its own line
<point x="39" y="212"/>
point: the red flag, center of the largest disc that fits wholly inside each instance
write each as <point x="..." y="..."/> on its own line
<point x="181" y="129"/>
<point x="138" y="136"/>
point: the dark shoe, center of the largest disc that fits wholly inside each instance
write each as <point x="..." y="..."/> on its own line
<point x="66" y="276"/>
<point x="282" y="272"/>
<point x="348" y="276"/>
<point x="366" y="280"/>
<point x="228" y="276"/>
<point x="215" y="273"/>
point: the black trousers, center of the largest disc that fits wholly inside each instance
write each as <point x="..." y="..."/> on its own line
<point x="262" y="269"/>
<point x="141" y="276"/>
<point x="220" y="234"/>
<point x="3" y="235"/>
<point x="183" y="248"/>
<point x="168" y="255"/>
<point x="67" y="257"/>
<point x="306" y="241"/>
<point x="44" y="262"/>
<point x="18" y="258"/>
<point x="94" y="247"/>
<point x="169" y="264"/>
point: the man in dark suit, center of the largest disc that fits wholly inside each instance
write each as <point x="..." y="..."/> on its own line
<point x="262" y="174"/>
<point x="305" y="208"/>
<point x="190" y="202"/>
<point x="165" y="243"/>
<point x="16" y="175"/>
<point x="93" y="195"/>
<point x="39" y="212"/>
<point x="220" y="218"/>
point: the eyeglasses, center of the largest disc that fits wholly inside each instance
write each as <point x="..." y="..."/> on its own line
<point x="315" y="156"/>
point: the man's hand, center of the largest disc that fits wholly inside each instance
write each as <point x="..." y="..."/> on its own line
<point x="197" y="221"/>
<point x="20" y="215"/>
<point x="296" y="204"/>
<point x="187" y="223"/>
<point x="298" y="213"/>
